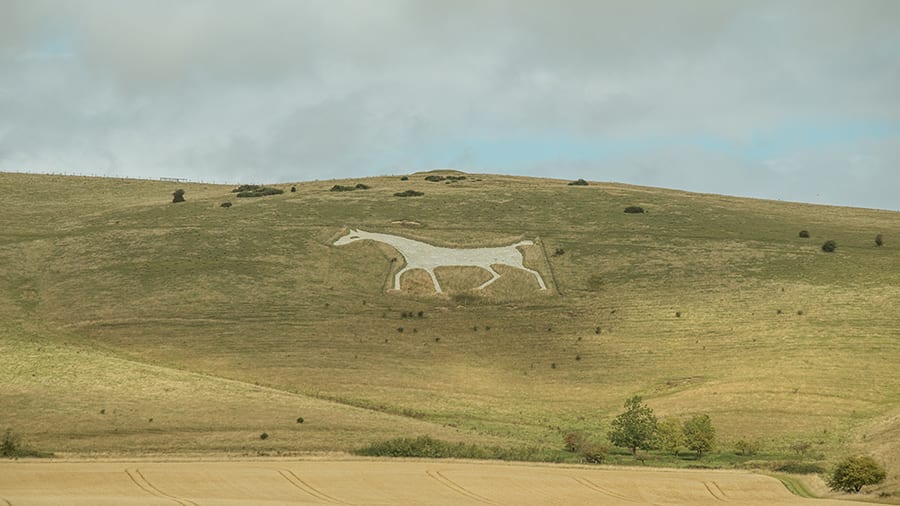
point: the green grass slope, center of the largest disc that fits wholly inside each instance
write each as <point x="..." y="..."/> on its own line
<point x="704" y="304"/>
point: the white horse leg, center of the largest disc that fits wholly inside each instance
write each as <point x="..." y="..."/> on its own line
<point x="397" y="277"/>
<point x="537" y="276"/>
<point x="437" y="287"/>
<point x="494" y="276"/>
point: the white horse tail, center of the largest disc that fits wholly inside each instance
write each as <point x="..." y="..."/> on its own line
<point x="526" y="242"/>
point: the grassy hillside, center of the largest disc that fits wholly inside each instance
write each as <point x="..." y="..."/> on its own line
<point x="704" y="304"/>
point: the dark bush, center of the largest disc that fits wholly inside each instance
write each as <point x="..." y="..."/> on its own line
<point x="300" y="420"/>
<point x="293" y="189"/>
<point x="801" y="468"/>
<point x="428" y="447"/>
<point x="404" y="178"/>
<point x="559" y="252"/>
<point x="264" y="436"/>
<point x="578" y="182"/>
<point x="178" y="196"/>
<point x="11" y="447"/>
<point x="10" y="444"/>
<point x="804" y="234"/>
<point x="829" y="246"/>
<point x="593" y="453"/>
<point x="572" y="441"/>
<point x="249" y="191"/>
<point x="225" y="204"/>
<point x="634" y="210"/>
<point x="409" y="193"/>
<point x="360" y="186"/>
<point x="745" y="447"/>
<point x="434" y="178"/>
<point x="879" y="241"/>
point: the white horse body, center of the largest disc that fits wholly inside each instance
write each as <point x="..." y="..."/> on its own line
<point x="419" y="255"/>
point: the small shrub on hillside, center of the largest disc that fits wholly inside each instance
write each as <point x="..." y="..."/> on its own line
<point x="293" y="189"/>
<point x="178" y="196"/>
<point x="804" y="234"/>
<point x="360" y="186"/>
<point x="246" y="188"/>
<point x="578" y="182"/>
<point x="572" y="441"/>
<point x="264" y="436"/>
<point x="801" y="447"/>
<point x="829" y="246"/>
<point x="559" y="252"/>
<point x="300" y="420"/>
<point x="634" y="209"/>
<point x="592" y="452"/>
<point x="409" y="193"/>
<point x="11" y="447"/>
<point x="879" y="241"/>
<point x="10" y="444"/>
<point x="404" y="178"/>
<point x="747" y="448"/>
<point x="226" y="205"/>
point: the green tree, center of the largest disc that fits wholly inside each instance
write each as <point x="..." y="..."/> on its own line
<point x="853" y="473"/>
<point x="635" y="428"/>
<point x="669" y="436"/>
<point x="699" y="434"/>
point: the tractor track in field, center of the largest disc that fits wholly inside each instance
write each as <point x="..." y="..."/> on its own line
<point x="144" y="484"/>
<point x="715" y="490"/>
<point x="597" y="488"/>
<point x="300" y="484"/>
<point x="459" y="489"/>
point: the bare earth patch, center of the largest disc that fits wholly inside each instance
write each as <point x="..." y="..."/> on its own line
<point x="408" y="482"/>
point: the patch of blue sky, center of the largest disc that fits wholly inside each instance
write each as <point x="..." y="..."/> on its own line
<point x="539" y="148"/>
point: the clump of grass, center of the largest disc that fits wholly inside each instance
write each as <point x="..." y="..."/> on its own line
<point x="578" y="182"/>
<point x="829" y="246"/>
<point x="804" y="234"/>
<point x="264" y="436"/>
<point x="634" y="209"/>
<point x="409" y="193"/>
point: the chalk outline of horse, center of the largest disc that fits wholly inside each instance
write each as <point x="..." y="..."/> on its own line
<point x="420" y="255"/>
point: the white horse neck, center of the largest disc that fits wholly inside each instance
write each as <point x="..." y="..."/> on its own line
<point x="402" y="244"/>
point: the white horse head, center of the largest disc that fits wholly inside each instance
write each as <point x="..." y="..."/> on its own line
<point x="353" y="235"/>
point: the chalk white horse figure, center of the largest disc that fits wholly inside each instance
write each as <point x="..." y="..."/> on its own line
<point x="420" y="255"/>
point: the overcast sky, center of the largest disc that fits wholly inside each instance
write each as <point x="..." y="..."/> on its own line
<point x="793" y="100"/>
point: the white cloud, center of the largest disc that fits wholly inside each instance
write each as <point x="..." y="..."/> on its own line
<point x="294" y="90"/>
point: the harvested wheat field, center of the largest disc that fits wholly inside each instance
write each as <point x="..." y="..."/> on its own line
<point x="368" y="482"/>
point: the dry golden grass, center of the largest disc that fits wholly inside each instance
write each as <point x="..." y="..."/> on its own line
<point x="378" y="482"/>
